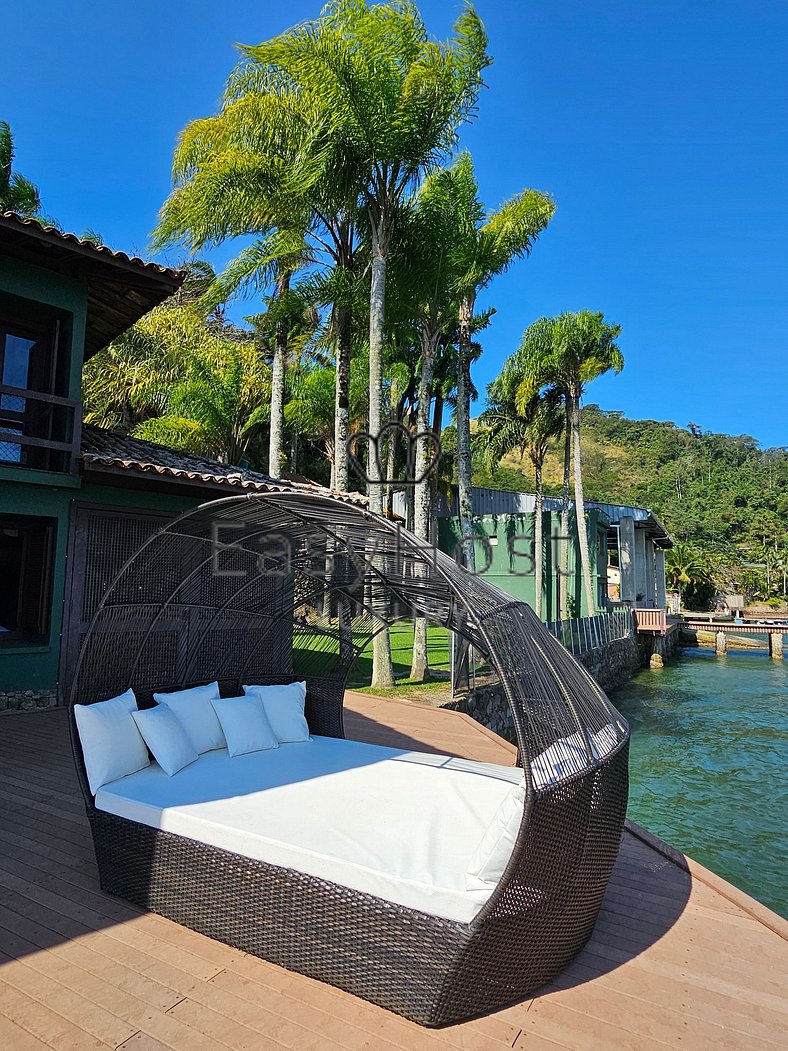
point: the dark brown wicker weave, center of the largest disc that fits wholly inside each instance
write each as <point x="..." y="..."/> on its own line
<point x="306" y="583"/>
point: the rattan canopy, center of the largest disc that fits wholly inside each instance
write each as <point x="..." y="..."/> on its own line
<point x="291" y="585"/>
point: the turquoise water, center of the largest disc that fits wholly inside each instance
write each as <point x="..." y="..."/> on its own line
<point x="709" y="764"/>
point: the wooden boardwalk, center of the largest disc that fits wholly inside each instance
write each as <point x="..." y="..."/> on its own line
<point x="678" y="959"/>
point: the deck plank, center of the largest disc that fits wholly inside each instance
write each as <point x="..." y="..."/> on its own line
<point x="678" y="958"/>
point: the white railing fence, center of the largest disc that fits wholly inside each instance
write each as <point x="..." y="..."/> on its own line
<point x="582" y="634"/>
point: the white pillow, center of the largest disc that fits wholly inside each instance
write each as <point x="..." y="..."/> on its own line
<point x="496" y="845"/>
<point x="565" y="757"/>
<point x="166" y="738"/>
<point x="111" y="743"/>
<point x="245" y="724"/>
<point x="603" y="741"/>
<point x="194" y="711"/>
<point x="284" y="706"/>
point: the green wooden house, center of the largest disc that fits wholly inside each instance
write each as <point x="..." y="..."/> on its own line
<point x="75" y="501"/>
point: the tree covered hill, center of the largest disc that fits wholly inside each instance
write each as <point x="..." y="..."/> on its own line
<point x="721" y="492"/>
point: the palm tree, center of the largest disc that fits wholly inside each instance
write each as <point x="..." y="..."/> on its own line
<point x="484" y="246"/>
<point x="508" y="429"/>
<point x="217" y="410"/>
<point x="686" y="564"/>
<point x="254" y="168"/>
<point x="128" y="381"/>
<point x="425" y="285"/>
<point x="17" y="194"/>
<point x="310" y="407"/>
<point x="566" y="353"/>
<point x="395" y="100"/>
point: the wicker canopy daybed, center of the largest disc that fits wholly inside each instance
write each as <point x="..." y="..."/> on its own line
<point x="292" y="585"/>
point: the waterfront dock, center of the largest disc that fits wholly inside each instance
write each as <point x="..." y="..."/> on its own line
<point x="678" y="958"/>
<point x="720" y="628"/>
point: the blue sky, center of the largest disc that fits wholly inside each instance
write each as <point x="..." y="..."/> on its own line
<point x="661" y="128"/>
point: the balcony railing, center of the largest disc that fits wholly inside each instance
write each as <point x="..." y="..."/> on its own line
<point x="651" y="621"/>
<point x="37" y="430"/>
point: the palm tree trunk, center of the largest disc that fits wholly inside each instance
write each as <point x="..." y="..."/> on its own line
<point x="437" y="428"/>
<point x="392" y="448"/>
<point x="342" y="403"/>
<point x="563" y="553"/>
<point x="278" y="386"/>
<point x="421" y="509"/>
<point x="580" y="507"/>
<point x="538" y="542"/>
<point x="382" y="669"/>
<point x="464" y="465"/>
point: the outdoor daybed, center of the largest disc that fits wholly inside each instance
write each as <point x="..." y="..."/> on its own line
<point x="436" y="887"/>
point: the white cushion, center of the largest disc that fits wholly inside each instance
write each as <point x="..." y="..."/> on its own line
<point x="284" y="706"/>
<point x="497" y="844"/>
<point x="604" y="741"/>
<point x="111" y="743"/>
<point x="194" y="711"/>
<point x="399" y="825"/>
<point x="565" y="757"/>
<point x="244" y="724"/>
<point x="166" y="738"/>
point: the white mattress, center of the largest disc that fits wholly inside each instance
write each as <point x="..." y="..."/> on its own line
<point x="399" y="825"/>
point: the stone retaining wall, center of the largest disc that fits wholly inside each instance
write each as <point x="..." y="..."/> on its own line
<point x="611" y="666"/>
<point x="27" y="700"/>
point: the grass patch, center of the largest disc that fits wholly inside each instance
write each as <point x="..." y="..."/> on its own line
<point x="402" y="655"/>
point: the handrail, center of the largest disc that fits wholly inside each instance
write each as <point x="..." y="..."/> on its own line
<point x="582" y="634"/>
<point x="17" y="427"/>
<point x="38" y="395"/>
<point x="651" y="621"/>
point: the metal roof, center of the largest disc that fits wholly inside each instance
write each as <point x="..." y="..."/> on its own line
<point x="494" y="502"/>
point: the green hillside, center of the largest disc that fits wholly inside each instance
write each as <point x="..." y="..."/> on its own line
<point x="722" y="493"/>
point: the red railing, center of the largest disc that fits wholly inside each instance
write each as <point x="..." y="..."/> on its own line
<point x="651" y="621"/>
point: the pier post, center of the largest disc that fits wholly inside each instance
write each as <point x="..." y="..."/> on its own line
<point x="659" y="572"/>
<point x="626" y="558"/>
<point x="776" y="645"/>
<point x="722" y="643"/>
<point x="641" y="568"/>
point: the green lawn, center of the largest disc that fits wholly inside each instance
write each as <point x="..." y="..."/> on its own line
<point x="402" y="652"/>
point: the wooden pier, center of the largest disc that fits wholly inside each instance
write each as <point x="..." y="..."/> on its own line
<point x="721" y="628"/>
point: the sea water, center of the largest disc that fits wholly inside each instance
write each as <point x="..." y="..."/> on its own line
<point x="709" y="764"/>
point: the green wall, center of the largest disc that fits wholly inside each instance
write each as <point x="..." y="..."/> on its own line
<point x="505" y="556"/>
<point x="35" y="667"/>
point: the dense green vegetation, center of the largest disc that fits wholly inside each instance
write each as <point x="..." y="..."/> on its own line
<point x="721" y="496"/>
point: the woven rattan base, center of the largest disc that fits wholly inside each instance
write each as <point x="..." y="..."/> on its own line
<point x="431" y="970"/>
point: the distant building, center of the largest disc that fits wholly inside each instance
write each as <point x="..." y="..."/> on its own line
<point x="626" y="544"/>
<point x="637" y="542"/>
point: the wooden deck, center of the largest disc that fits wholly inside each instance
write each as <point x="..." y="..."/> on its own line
<point x="679" y="958"/>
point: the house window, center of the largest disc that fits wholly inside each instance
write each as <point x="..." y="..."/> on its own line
<point x="28" y="363"/>
<point x="26" y="559"/>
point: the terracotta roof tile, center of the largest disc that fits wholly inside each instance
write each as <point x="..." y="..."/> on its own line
<point x="99" y="249"/>
<point x="112" y="449"/>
